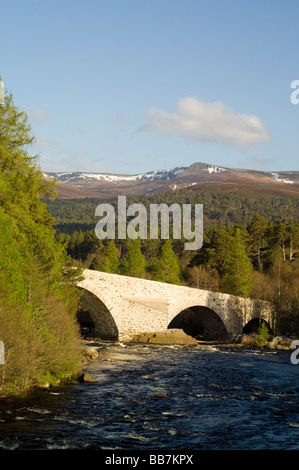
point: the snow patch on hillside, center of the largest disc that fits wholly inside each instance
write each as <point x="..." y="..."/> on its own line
<point x="281" y="180"/>
<point x="169" y="174"/>
<point x="150" y="176"/>
<point x="215" y="169"/>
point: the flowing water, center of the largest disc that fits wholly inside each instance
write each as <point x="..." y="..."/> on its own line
<point x="164" y="398"/>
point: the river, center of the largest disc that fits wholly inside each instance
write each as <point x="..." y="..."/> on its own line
<point x="164" y="398"/>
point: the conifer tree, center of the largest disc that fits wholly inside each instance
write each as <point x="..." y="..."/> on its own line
<point x="111" y="263"/>
<point x="216" y="253"/>
<point x="257" y="229"/>
<point x="134" y="261"/>
<point x="168" y="269"/>
<point x="237" y="278"/>
<point x="96" y="264"/>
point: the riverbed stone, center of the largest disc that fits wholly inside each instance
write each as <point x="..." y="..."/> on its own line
<point x="159" y="395"/>
<point x="86" y="377"/>
<point x="170" y="336"/>
<point x="90" y="354"/>
<point x="280" y="342"/>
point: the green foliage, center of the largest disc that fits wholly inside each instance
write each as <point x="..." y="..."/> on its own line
<point x="96" y="263"/>
<point x="38" y="298"/>
<point x="11" y="259"/>
<point x="237" y="276"/>
<point x="111" y="263"/>
<point x="257" y="229"/>
<point x="217" y="250"/>
<point x="134" y="261"/>
<point x="263" y="334"/>
<point x="219" y="208"/>
<point x="167" y="269"/>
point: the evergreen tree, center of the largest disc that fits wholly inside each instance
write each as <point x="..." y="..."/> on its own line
<point x="279" y="237"/>
<point x="257" y="230"/>
<point x="111" y="263"/>
<point x="134" y="261"/>
<point x="96" y="264"/>
<point x="168" y="269"/>
<point x="237" y="278"/>
<point x="216" y="252"/>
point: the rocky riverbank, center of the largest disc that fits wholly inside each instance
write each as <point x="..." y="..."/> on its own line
<point x="177" y="336"/>
<point x="275" y="342"/>
<point x="170" y="336"/>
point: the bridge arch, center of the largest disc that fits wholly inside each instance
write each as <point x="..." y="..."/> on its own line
<point x="91" y="308"/>
<point x="201" y="322"/>
<point x="122" y="306"/>
<point x="253" y="325"/>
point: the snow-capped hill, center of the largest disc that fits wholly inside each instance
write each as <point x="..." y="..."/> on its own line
<point x="76" y="176"/>
<point x="196" y="177"/>
<point x="170" y="174"/>
<point x="163" y="174"/>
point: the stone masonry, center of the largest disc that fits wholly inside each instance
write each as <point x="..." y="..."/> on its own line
<point x="121" y="306"/>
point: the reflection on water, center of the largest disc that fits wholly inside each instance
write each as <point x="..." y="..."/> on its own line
<point x="164" y="397"/>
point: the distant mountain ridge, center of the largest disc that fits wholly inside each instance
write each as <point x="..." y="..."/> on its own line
<point x="173" y="173"/>
<point x="199" y="176"/>
<point x="150" y="176"/>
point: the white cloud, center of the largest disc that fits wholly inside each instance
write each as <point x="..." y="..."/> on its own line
<point x="207" y="122"/>
<point x="37" y="115"/>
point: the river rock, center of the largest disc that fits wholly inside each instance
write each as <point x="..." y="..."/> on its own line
<point x="280" y="342"/>
<point x="90" y="354"/>
<point x="85" y="377"/>
<point x="159" y="395"/>
<point x="171" y="336"/>
<point x="44" y="385"/>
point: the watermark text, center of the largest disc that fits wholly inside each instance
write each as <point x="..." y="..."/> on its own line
<point x="295" y="354"/>
<point x="135" y="222"/>
<point x="295" y="94"/>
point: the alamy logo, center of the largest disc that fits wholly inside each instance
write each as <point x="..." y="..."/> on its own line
<point x="145" y="225"/>
<point x="295" y="94"/>
<point x="294" y="358"/>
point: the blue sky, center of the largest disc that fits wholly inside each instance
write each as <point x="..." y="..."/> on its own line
<point x="129" y="86"/>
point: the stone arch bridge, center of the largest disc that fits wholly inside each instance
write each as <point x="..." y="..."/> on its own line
<point x="122" y="306"/>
